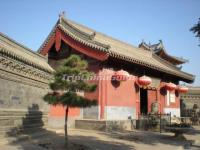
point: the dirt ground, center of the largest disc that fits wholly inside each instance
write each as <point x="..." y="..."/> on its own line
<point x="94" y="140"/>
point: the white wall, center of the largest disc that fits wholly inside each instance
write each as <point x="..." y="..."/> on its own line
<point x="119" y="112"/>
<point x="174" y="111"/>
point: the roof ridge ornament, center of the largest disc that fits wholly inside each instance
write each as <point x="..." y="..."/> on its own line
<point x="149" y="46"/>
<point x="143" y="41"/>
<point x="108" y="46"/>
<point x="62" y="15"/>
<point x="92" y="35"/>
<point x="161" y="44"/>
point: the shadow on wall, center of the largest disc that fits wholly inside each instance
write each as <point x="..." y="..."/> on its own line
<point x="31" y="122"/>
<point x="30" y="132"/>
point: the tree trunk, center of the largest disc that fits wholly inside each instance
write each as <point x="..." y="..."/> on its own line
<point x="66" y="118"/>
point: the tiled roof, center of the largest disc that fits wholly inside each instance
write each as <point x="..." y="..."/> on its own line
<point x="159" y="47"/>
<point x="118" y="49"/>
<point x="15" y="50"/>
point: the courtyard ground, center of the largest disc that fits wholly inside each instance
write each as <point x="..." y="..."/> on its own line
<point x="94" y="140"/>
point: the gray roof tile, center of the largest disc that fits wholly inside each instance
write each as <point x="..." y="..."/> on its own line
<point x="118" y="49"/>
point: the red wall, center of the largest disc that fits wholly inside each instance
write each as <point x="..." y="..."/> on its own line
<point x="163" y="100"/>
<point x="122" y="95"/>
<point x="125" y="94"/>
<point x="59" y="111"/>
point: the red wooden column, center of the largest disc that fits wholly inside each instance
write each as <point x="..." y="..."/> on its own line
<point x="103" y="94"/>
<point x="137" y="97"/>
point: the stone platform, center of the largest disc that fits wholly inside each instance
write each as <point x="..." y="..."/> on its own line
<point x="104" y="125"/>
<point x="21" y="122"/>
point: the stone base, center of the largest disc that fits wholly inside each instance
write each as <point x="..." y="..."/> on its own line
<point x="58" y="122"/>
<point x="16" y="122"/>
<point x="105" y="125"/>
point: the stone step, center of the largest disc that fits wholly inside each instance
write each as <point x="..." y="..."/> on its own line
<point x="30" y="116"/>
<point x="8" y="128"/>
<point x="8" y="114"/>
<point x="22" y="137"/>
<point x="22" y="111"/>
<point x="14" y="131"/>
<point x="21" y="121"/>
<point x="196" y="143"/>
<point x="21" y="128"/>
<point x="23" y="116"/>
<point x="15" y="118"/>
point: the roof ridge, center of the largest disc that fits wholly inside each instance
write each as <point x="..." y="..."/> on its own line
<point x="109" y="36"/>
<point x="158" y="59"/>
<point x="169" y="64"/>
<point x="156" y="49"/>
<point x="18" y="51"/>
<point x="86" y="36"/>
<point x="175" y="57"/>
<point x="47" y="38"/>
<point x="5" y="50"/>
<point x="21" y="45"/>
<point x="71" y="25"/>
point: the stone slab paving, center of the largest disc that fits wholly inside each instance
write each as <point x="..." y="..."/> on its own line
<point x="21" y="146"/>
<point x="94" y="140"/>
<point x="194" y="135"/>
<point x="125" y="141"/>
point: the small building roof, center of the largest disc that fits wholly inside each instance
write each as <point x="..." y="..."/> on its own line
<point x="194" y="89"/>
<point x="116" y="48"/>
<point x="159" y="49"/>
<point x="11" y="48"/>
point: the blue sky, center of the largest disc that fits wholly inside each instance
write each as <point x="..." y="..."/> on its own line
<point x="29" y="22"/>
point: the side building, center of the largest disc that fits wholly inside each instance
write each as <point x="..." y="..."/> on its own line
<point x="24" y="78"/>
<point x="190" y="101"/>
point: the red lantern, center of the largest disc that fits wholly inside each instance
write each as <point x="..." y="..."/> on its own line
<point x="182" y="89"/>
<point x="144" y="81"/>
<point x="170" y="86"/>
<point x="121" y="75"/>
